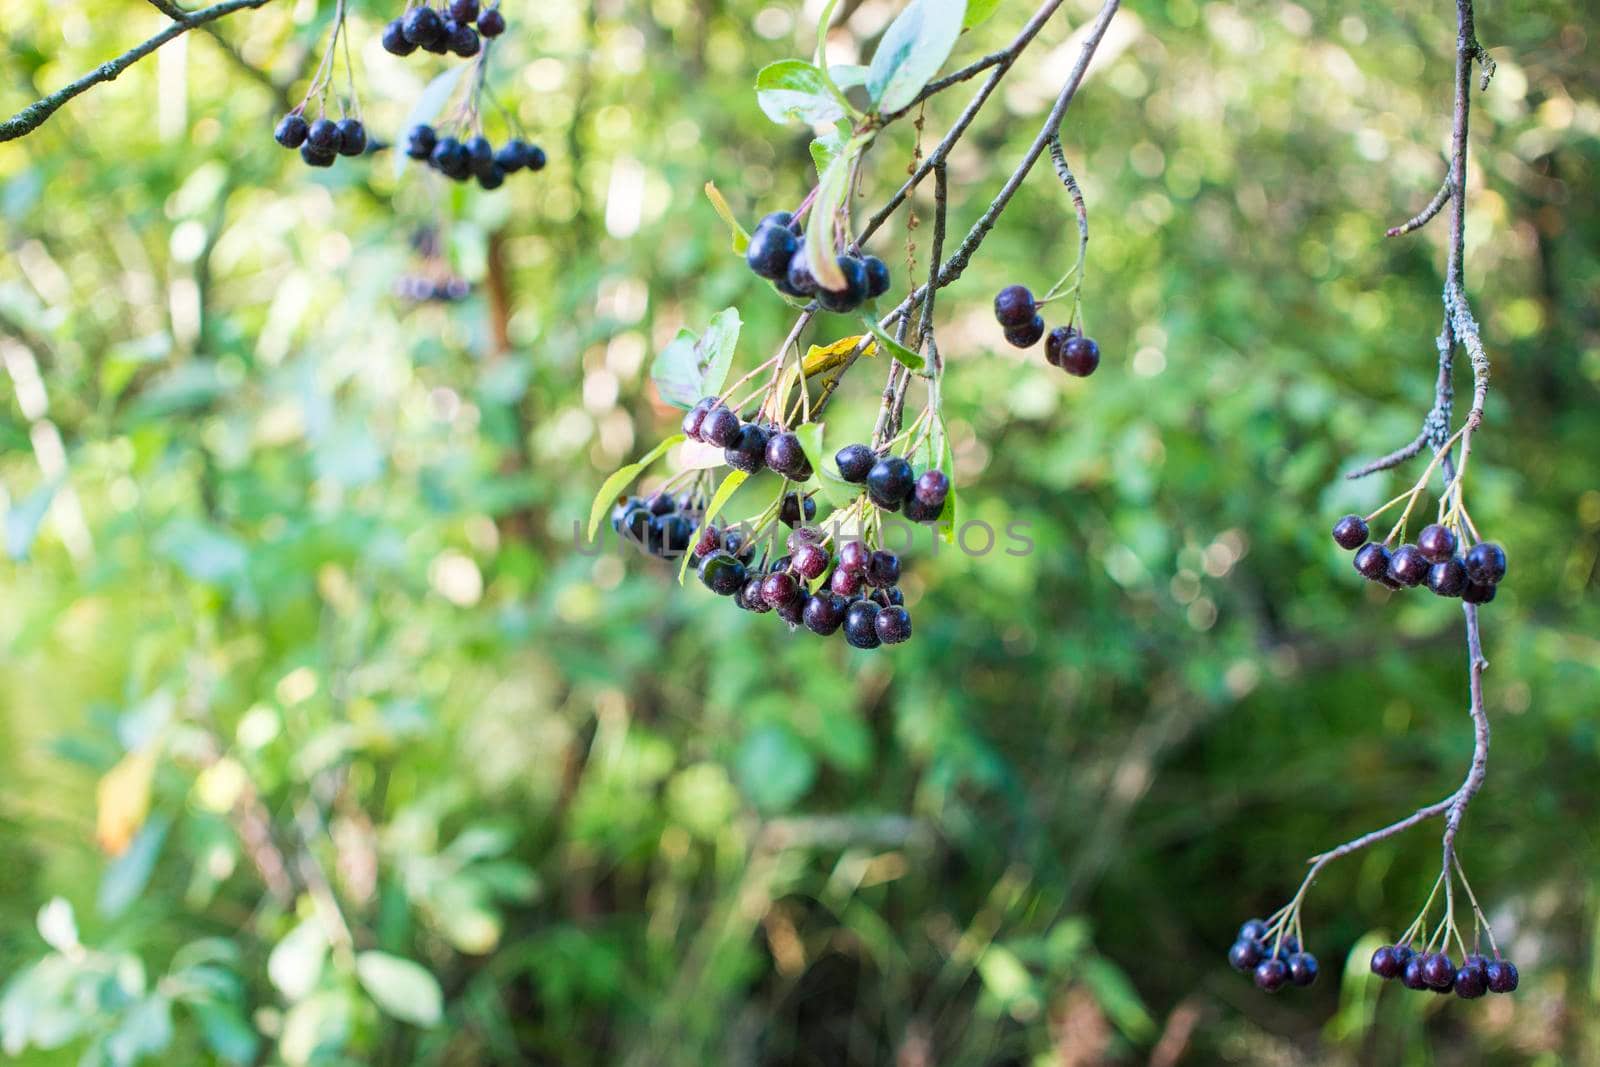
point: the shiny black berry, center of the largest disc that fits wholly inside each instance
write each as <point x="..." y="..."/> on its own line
<point x="1411" y="974"/>
<point x="1080" y="357"/>
<point x="1438" y="970"/>
<point x="422" y="26"/>
<point x="464" y="11"/>
<point x="463" y="39"/>
<point x="798" y="276"/>
<point x="512" y="156"/>
<point x="722" y="573"/>
<point x="323" y="135"/>
<point x="1302" y="968"/>
<point x="1386" y="963"/>
<point x="1055" y="341"/>
<point x="1486" y="563"/>
<point x="662" y="504"/>
<point x="696" y="417"/>
<point x="1407" y="566"/>
<point x="394" y="39"/>
<point x="1477" y="593"/>
<point x="796" y="509"/>
<point x="491" y="23"/>
<point x="861" y="625"/>
<point x="1503" y="976"/>
<point x="854" y="462"/>
<point x="855" y="556"/>
<point x="1027" y="335"/>
<point x="810" y="561"/>
<point x="793" y="610"/>
<point x="1014" y="306"/>
<point x="1372" y="561"/>
<point x="889" y="482"/>
<point x="1253" y="930"/>
<point x="932" y="488"/>
<point x="420" y="142"/>
<point x="785" y="456"/>
<point x="450" y="158"/>
<point x="883" y="569"/>
<point x="317" y="157"/>
<point x="855" y="287"/>
<point x="779" y="587"/>
<point x="534" y="158"/>
<point x="1245" y="954"/>
<point x="750" y="599"/>
<point x="917" y="511"/>
<point x="480" y="155"/>
<point x="771" y="249"/>
<point x="1448" y="578"/>
<point x="877" y="277"/>
<point x="291" y="131"/>
<point x="352" y="137"/>
<point x="846" y="583"/>
<point x="1436" y="543"/>
<point x="893" y="625"/>
<point x="1271" y="974"/>
<point x="720" y="427"/>
<point x="825" y="612"/>
<point x="1350" y="532"/>
<point x="1472" y="979"/>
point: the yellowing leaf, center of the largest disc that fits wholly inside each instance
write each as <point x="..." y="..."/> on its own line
<point x="123" y="801"/>
<point x="741" y="239"/>
<point x="821" y="358"/>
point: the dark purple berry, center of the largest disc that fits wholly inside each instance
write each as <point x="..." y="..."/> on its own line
<point x="352" y="137"/>
<point x="1386" y="963"/>
<point x="779" y="588"/>
<point x="771" y="249"/>
<point x="491" y="23"/>
<point x="877" y="277"/>
<point x="1411" y="974"/>
<point x="861" y="625"/>
<point x="696" y="417"/>
<point x="1438" y="970"/>
<point x="888" y="597"/>
<point x="512" y="156"/>
<point x="723" y="574"/>
<point x="785" y="456"/>
<point x="493" y="178"/>
<point x="825" y="612"/>
<point x="1407" y="566"/>
<point x="750" y="599"/>
<point x="1503" y="976"/>
<point x="1014" y="306"/>
<point x="854" y="462"/>
<point x="533" y="157"/>
<point x="1080" y="356"/>
<point x="1253" y="930"/>
<point x="480" y="155"/>
<point x="796" y="509"/>
<point x="463" y="39"/>
<point x="811" y="561"/>
<point x="781" y="219"/>
<point x="1475" y="593"/>
<point x="1486" y="563"/>
<point x="1245" y="954"/>
<point x="1350" y="532"/>
<point x="917" y="511"/>
<point x="291" y="131"/>
<point x="662" y="504"/>
<point x="323" y="135"/>
<point x="710" y="541"/>
<point x="846" y="583"/>
<point x="450" y="158"/>
<point x="420" y="142"/>
<point x="1055" y="341"/>
<point x="720" y="427"/>
<point x="793" y="610"/>
<point x="1372" y="561"/>
<point x="890" y="481"/>
<point x="1436" y="543"/>
<point x="1472" y="980"/>
<point x="1302" y="968"/>
<point x="932" y="488"/>
<point x="1448" y="578"/>
<point x="893" y="625"/>
<point x="883" y="569"/>
<point x="1027" y="335"/>
<point x="1271" y="974"/>
<point x="798" y="276"/>
<point x="464" y="11"/>
<point x="317" y="157"/>
<point x="855" y="556"/>
<point x="855" y="287"/>
<point x="422" y="26"/>
<point x="394" y="39"/>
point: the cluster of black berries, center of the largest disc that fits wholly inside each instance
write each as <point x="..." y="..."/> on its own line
<point x="778" y="254"/>
<point x="1272" y="966"/>
<point x="321" y="141"/>
<point x="661" y="525"/>
<point x="892" y="484"/>
<point x="747" y="446"/>
<point x="1434" y="970"/>
<point x="1067" y="347"/>
<point x="859" y="596"/>
<point x="440" y="32"/>
<point x="473" y="158"/>
<point x="421" y="289"/>
<point x="1432" y="559"/>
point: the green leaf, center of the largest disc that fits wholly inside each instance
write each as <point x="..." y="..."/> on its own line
<point x="402" y="988"/>
<point x="1118" y="999"/>
<point x="429" y="103"/>
<point x="792" y="90"/>
<point x="613" y="486"/>
<point x="913" y="48"/>
<point x="833" y="187"/>
<point x="22" y="521"/>
<point x="900" y="352"/>
<point x="847" y="75"/>
<point x="295" y="963"/>
<point x="810" y="436"/>
<point x="949" y="518"/>
<point x="205" y="553"/>
<point x="724" y="493"/>
<point x="125" y="879"/>
<point x="825" y="149"/>
<point x="774" y="768"/>
<point x="691" y="367"/>
<point x="225" y="1031"/>
<point x="741" y="238"/>
<point x="824" y="20"/>
<point x="978" y="12"/>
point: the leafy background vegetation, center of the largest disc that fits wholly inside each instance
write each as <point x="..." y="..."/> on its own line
<point x="313" y="718"/>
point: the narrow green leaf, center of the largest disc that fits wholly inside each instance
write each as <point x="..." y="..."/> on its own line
<point x="400" y="987"/>
<point x="740" y="237"/>
<point x="810" y="436"/>
<point x="429" y="103"/>
<point x="792" y="90"/>
<point x="848" y="75"/>
<point x="912" y="50"/>
<point x="1118" y="998"/>
<point x="978" y="12"/>
<point x="949" y="517"/>
<point x="613" y="486"/>
<point x="900" y="352"/>
<point x="832" y="190"/>
<point x="724" y="493"/>
<point x="125" y="879"/>
<point x="225" y="1031"/>
<point x="823" y="22"/>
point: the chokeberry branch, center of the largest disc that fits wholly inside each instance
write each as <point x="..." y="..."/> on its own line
<point x="35" y="114"/>
<point x="1423" y="217"/>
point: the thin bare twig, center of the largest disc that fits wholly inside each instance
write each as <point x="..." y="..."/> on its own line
<point x="1420" y="219"/>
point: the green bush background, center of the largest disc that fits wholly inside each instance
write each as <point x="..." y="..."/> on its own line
<point x="314" y="550"/>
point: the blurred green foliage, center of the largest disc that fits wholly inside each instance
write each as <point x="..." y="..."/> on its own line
<point x="313" y="718"/>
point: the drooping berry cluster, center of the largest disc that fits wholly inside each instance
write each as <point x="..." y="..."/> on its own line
<point x="322" y="140"/>
<point x="891" y="484"/>
<point x="475" y="157"/>
<point x="661" y="525"/>
<point x="423" y="289"/>
<point x="856" y="592"/>
<point x="1273" y="962"/>
<point x="1432" y="560"/>
<point x="449" y="29"/>
<point x="778" y="254"/>
<point x="746" y="446"/>
<point x="1435" y="971"/>
<point x="1017" y="311"/>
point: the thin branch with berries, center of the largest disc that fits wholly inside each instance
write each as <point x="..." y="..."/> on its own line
<point x="1420" y="958"/>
